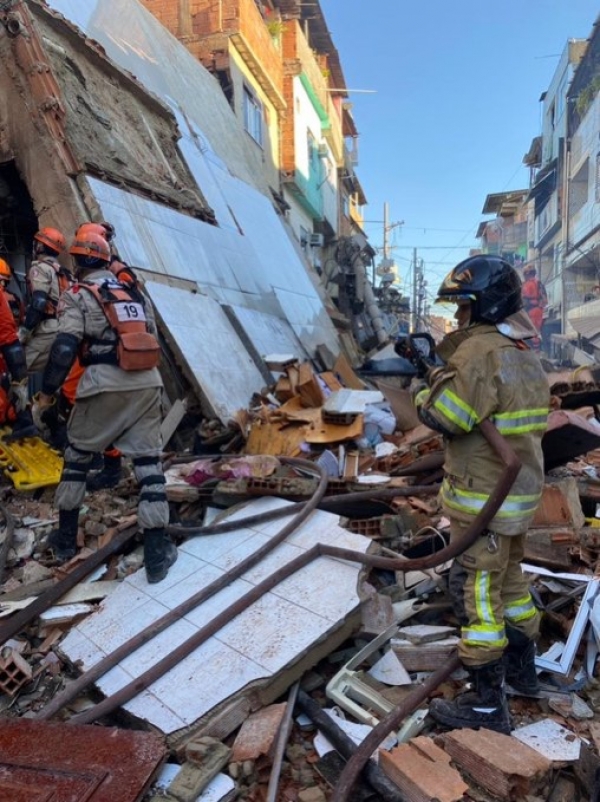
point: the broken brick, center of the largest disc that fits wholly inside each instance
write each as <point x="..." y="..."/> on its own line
<point x="422" y="772"/>
<point x="15" y="672"/>
<point x="499" y="763"/>
<point x="258" y="734"/>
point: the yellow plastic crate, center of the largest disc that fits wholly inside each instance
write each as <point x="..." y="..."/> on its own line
<point x="29" y="463"/>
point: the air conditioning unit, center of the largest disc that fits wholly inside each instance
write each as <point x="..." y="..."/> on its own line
<point x="323" y="151"/>
<point x="317" y="240"/>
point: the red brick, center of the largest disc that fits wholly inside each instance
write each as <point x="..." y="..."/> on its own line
<point x="422" y="771"/>
<point x="499" y="763"/>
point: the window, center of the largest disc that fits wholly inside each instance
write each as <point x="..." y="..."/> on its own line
<point x="253" y="115"/>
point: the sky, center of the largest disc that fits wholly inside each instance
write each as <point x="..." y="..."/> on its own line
<point x="449" y="105"/>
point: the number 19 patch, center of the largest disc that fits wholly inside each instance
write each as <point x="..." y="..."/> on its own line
<point x="128" y="310"/>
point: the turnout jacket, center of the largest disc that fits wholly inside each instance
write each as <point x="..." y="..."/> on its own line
<point x="488" y="376"/>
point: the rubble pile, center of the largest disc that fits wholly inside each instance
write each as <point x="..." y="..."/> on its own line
<point x="276" y="644"/>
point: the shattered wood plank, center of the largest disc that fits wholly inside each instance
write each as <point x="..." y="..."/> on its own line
<point x="308" y="387"/>
<point x="334" y="433"/>
<point x="275" y="439"/>
<point x="172" y="420"/>
<point x="344" y="370"/>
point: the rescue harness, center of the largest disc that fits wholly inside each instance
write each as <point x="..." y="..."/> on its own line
<point x="135" y="347"/>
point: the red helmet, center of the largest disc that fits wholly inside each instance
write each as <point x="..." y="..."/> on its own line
<point x="51" y="238"/>
<point x="91" y="245"/>
<point x="5" y="270"/>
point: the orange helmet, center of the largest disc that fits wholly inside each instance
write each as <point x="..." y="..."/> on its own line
<point x="87" y="228"/>
<point x="5" y="270"/>
<point x="51" y="238"/>
<point x="91" y="245"/>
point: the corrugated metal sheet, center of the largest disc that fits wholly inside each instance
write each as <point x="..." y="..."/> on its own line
<point x="248" y="260"/>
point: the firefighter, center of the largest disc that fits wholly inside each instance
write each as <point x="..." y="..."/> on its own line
<point x="14" y="395"/>
<point x="7" y="408"/>
<point x="111" y="471"/>
<point x="14" y="301"/>
<point x="46" y="280"/>
<point x="535" y="299"/>
<point x="118" y="398"/>
<point x="489" y="373"/>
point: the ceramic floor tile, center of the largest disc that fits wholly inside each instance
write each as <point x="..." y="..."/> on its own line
<point x="272" y="633"/>
<point x="257" y="507"/>
<point x="186" y="564"/>
<point x="235" y="556"/>
<point x="201" y="615"/>
<point x="209" y="547"/>
<point x="146" y="705"/>
<point x="280" y="556"/>
<point x="117" y="631"/>
<point x="211" y="673"/>
<point x="80" y="648"/>
<point x="124" y="597"/>
<point x="312" y="589"/>
<point x="155" y="649"/>
<point x="184" y="590"/>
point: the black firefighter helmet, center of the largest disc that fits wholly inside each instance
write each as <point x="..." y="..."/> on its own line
<point x="491" y="284"/>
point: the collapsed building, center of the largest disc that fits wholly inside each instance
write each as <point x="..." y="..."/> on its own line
<point x="117" y="121"/>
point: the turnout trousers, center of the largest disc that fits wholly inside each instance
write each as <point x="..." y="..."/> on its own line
<point x="488" y="588"/>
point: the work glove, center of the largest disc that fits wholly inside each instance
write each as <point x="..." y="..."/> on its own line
<point x="419" y="391"/>
<point x="41" y="407"/>
<point x="18" y="394"/>
<point x="24" y="335"/>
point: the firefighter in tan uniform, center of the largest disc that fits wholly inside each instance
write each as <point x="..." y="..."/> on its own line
<point x="118" y="398"/>
<point x="46" y="280"/>
<point x="490" y="373"/>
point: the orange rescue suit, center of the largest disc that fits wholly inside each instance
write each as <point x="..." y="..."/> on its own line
<point x="534" y="300"/>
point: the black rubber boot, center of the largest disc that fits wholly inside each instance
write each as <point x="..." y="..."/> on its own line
<point x="63" y="541"/>
<point x="519" y="663"/>
<point x="22" y="428"/>
<point x="159" y="554"/>
<point x="110" y="475"/>
<point x="484" y="706"/>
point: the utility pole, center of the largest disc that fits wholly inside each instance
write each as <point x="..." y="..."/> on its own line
<point x="386" y="263"/>
<point x="415" y="271"/>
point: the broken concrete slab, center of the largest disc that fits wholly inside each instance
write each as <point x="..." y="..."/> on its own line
<point x="550" y="739"/>
<point x="425" y="633"/>
<point x="257" y="655"/>
<point x="422" y="772"/>
<point x="499" y="763"/>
